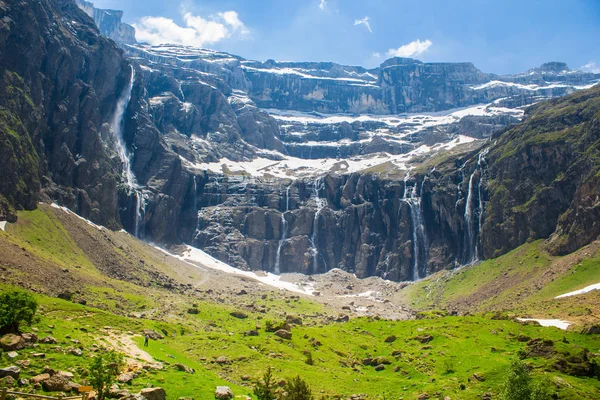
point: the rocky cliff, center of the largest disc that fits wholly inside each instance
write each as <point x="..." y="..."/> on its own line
<point x="261" y="165"/>
<point x="109" y="22"/>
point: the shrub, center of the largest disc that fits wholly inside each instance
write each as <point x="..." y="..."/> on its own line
<point x="265" y="390"/>
<point x="297" y="389"/>
<point x="16" y="307"/>
<point x="103" y="371"/>
<point x="516" y="385"/>
<point x="519" y="386"/>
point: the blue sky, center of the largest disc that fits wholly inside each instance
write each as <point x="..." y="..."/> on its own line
<point x="501" y="36"/>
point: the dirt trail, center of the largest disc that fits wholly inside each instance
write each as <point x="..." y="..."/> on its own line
<point x="124" y="343"/>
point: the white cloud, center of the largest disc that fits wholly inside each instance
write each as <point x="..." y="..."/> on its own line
<point x="591" y="67"/>
<point x="376" y="55"/>
<point x="323" y="4"/>
<point x="365" y="22"/>
<point x="197" y="31"/>
<point x="411" y="49"/>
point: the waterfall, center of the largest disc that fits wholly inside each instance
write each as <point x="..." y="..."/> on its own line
<point x="117" y="131"/>
<point x="468" y="217"/>
<point x="320" y="203"/>
<point x="128" y="177"/>
<point x="419" y="236"/>
<point x="195" y="194"/>
<point x="472" y="226"/>
<point x="284" y="229"/>
<point x="140" y="213"/>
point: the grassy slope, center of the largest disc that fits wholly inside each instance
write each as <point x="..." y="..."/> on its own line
<point x="524" y="281"/>
<point x="467" y="345"/>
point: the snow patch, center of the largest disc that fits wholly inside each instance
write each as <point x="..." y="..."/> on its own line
<point x="586" y="289"/>
<point x="87" y="221"/>
<point x="549" y="322"/>
<point x="199" y="258"/>
<point x="3" y="225"/>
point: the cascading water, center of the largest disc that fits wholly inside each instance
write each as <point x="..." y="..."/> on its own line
<point x="320" y="204"/>
<point x="473" y="225"/>
<point x="419" y="234"/>
<point x="284" y="231"/>
<point x="121" y="147"/>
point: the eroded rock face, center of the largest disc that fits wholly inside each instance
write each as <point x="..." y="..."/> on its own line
<point x="364" y="223"/>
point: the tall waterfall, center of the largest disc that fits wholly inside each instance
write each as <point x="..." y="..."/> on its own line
<point x="284" y="231"/>
<point x="320" y="203"/>
<point x="419" y="235"/>
<point x="474" y="211"/>
<point x="117" y="125"/>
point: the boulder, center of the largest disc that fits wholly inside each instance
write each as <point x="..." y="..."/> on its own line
<point x="57" y="383"/>
<point x="282" y="333"/>
<point x="183" y="368"/>
<point x="76" y="352"/>
<point x="125" y="378"/>
<point x="12" y="354"/>
<point x="223" y="393"/>
<point x="12" y="371"/>
<point x="40" y="378"/>
<point x="239" y="315"/>
<point x="10" y="342"/>
<point x="380" y="367"/>
<point x="153" y="334"/>
<point x="30" y="338"/>
<point x="65" y="374"/>
<point x="49" y="340"/>
<point x="154" y="393"/>
<point x="23" y="382"/>
<point x="221" y="360"/>
<point x="390" y="339"/>
<point x="591" y="330"/>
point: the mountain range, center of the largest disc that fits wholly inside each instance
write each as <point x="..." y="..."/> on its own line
<point x="398" y="171"/>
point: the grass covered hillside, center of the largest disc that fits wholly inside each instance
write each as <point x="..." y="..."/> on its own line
<point x="98" y="289"/>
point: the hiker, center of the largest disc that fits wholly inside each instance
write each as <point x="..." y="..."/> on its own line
<point x="146" y="338"/>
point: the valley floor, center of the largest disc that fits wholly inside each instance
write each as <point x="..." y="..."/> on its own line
<point x="450" y="335"/>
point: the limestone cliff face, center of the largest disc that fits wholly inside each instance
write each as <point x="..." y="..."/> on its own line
<point x="59" y="79"/>
<point x="109" y="22"/>
<point x="125" y="138"/>
<point x="544" y="178"/>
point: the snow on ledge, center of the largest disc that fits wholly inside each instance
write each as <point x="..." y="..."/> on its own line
<point x="549" y="322"/>
<point x="87" y="221"/>
<point x="2" y="225"/>
<point x="199" y="259"/>
<point x="580" y="291"/>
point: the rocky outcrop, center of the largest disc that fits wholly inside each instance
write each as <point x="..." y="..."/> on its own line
<point x="544" y="178"/>
<point x="109" y="22"/>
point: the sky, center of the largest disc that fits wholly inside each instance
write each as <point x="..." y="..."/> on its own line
<point x="499" y="36"/>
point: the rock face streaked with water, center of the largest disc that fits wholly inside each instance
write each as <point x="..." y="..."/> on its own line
<point x="397" y="171"/>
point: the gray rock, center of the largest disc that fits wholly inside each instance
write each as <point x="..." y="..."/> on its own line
<point x="125" y="378"/>
<point x="10" y="342"/>
<point x="12" y="354"/>
<point x="183" y="368"/>
<point x="49" y="340"/>
<point x="282" y="333"/>
<point x="223" y="393"/>
<point x="57" y="383"/>
<point x="12" y="371"/>
<point x="154" y="393"/>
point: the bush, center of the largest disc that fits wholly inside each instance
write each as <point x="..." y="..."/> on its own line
<point x="518" y="385"/>
<point x="265" y="390"/>
<point x="16" y="307"/>
<point x="297" y="389"/>
<point x="103" y="371"/>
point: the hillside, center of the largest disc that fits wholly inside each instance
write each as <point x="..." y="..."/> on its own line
<point x="112" y="287"/>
